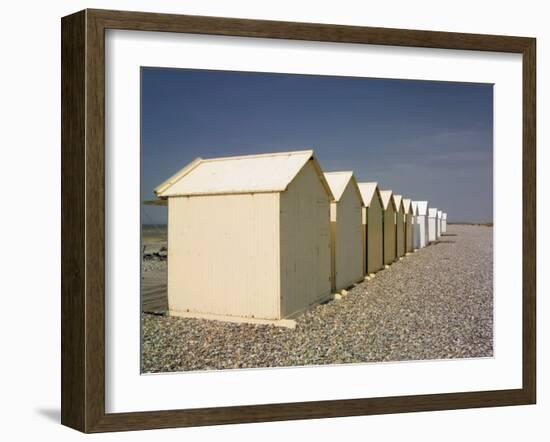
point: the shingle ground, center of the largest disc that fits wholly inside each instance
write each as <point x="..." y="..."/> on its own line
<point x="436" y="303"/>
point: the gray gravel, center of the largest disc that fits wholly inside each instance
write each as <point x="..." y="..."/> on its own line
<point x="153" y="265"/>
<point x="434" y="304"/>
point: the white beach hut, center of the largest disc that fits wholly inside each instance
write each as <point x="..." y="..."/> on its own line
<point x="439" y="218"/>
<point x="399" y="226"/>
<point x="373" y="230"/>
<point x="388" y="204"/>
<point x="248" y="236"/>
<point x="421" y="226"/>
<point x="444" y="222"/>
<point x="346" y="230"/>
<point x="432" y="224"/>
<point x="409" y="225"/>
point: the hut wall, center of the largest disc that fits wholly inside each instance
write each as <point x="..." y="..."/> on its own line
<point x="305" y="263"/>
<point x="432" y="228"/>
<point x="389" y="235"/>
<point x="409" y="232"/>
<point x="223" y="255"/>
<point x="400" y="233"/>
<point x="348" y="251"/>
<point x="374" y="238"/>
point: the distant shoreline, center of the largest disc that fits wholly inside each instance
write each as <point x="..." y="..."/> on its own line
<point x="470" y="224"/>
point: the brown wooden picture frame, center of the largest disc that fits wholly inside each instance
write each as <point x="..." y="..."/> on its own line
<point x="83" y="220"/>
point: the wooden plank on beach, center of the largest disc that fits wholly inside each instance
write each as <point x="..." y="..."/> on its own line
<point x="154" y="293"/>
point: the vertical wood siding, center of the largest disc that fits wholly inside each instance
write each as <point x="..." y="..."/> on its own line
<point x="400" y="232"/>
<point x="417" y="226"/>
<point x="305" y="242"/>
<point x="425" y="230"/>
<point x="409" y="232"/>
<point x="223" y="255"/>
<point x="432" y="229"/>
<point x="348" y="259"/>
<point x="389" y="235"/>
<point x="332" y="252"/>
<point x="364" y="234"/>
<point x="375" y="238"/>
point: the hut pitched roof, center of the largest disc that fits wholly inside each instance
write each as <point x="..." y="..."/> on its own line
<point x="271" y="172"/>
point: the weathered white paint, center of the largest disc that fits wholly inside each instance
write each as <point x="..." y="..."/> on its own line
<point x="432" y="224"/>
<point x="399" y="226"/>
<point x="373" y="219"/>
<point x="388" y="205"/>
<point x="258" y="254"/>
<point x="346" y="230"/>
<point x="422" y="223"/>
<point x="409" y="225"/>
<point x="444" y="223"/>
<point x="439" y="218"/>
<point x="416" y="225"/>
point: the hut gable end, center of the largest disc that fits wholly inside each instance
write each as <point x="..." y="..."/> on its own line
<point x="339" y="182"/>
<point x="368" y="192"/>
<point x="422" y="207"/>
<point x="398" y="199"/>
<point x="387" y="199"/>
<point x="407" y="204"/>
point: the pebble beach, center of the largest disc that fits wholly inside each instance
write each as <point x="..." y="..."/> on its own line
<point x="436" y="303"/>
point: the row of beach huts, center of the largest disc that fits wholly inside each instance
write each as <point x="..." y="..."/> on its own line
<point x="261" y="238"/>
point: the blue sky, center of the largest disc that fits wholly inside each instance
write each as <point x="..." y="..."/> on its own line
<point x="426" y="140"/>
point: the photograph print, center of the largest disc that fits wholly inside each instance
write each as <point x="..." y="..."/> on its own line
<point x="305" y="220"/>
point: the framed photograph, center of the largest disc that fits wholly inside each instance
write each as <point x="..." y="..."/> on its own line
<point x="268" y="221"/>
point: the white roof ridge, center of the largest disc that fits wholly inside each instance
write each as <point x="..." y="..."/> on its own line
<point x="258" y="155"/>
<point x="338" y="172"/>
